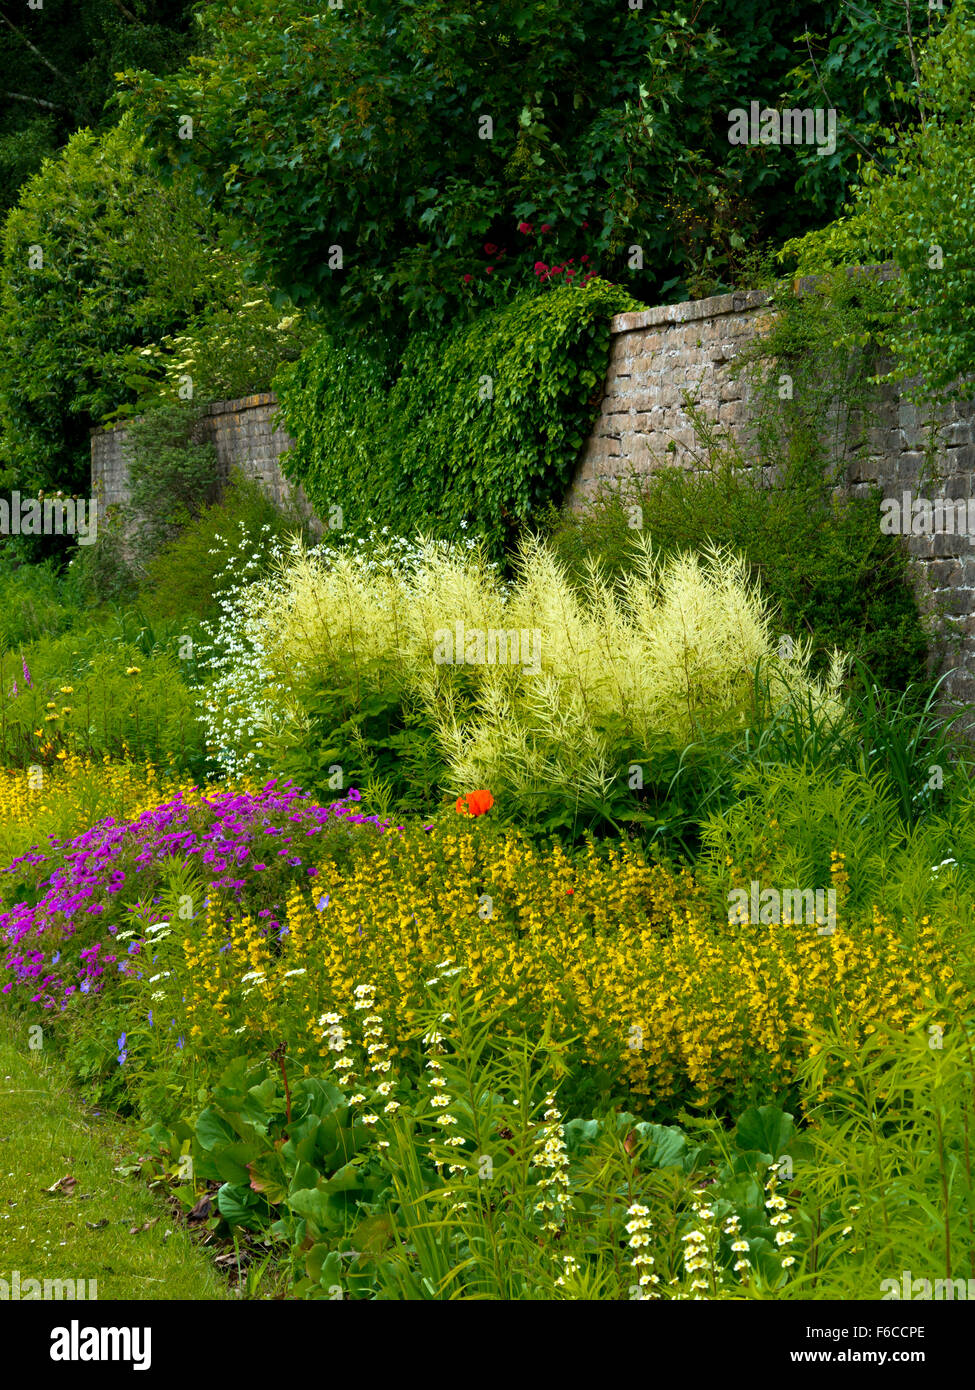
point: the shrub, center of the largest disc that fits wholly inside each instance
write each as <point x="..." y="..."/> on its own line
<point x="356" y="153"/>
<point x="185" y="577"/>
<point x="915" y="207"/>
<point x="228" y="350"/>
<point x="608" y="685"/>
<point x="173" y="473"/>
<point x="831" y="578"/>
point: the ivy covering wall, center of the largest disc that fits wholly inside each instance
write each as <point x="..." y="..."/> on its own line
<point x="482" y="425"/>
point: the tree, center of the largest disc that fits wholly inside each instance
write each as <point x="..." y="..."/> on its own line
<point x="395" y="161"/>
<point x="917" y="209"/>
<point x="97" y="260"/>
<point x="59" y="63"/>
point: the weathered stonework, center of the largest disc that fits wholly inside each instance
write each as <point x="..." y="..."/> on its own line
<point x="245" y="437"/>
<point x="656" y="356"/>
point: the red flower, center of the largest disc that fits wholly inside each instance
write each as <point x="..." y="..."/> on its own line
<point x="474" y="803"/>
<point x="545" y="227"/>
<point x="468" y="279"/>
<point x="583" y="258"/>
<point x="489" y="270"/>
<point x="570" y="890"/>
<point x="584" y="225"/>
<point x="489" y="248"/>
<point x="540" y="267"/>
<point x="557" y="269"/>
<point x="525" y="227"/>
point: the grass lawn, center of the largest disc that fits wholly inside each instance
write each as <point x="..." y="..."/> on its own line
<point x="104" y="1226"/>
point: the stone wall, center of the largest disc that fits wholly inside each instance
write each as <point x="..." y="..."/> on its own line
<point x="658" y="355"/>
<point x="245" y="436"/>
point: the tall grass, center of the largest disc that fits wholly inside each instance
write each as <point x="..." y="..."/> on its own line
<point x="626" y="673"/>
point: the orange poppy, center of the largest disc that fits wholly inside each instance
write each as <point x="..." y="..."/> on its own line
<point x="474" y="803"/>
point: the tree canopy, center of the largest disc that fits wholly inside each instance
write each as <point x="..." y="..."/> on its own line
<point x="392" y="163"/>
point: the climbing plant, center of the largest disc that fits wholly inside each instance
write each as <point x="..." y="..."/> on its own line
<point x="481" y="426"/>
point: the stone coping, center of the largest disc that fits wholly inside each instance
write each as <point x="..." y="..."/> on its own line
<point x="214" y="408"/>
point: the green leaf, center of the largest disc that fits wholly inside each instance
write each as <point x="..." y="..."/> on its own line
<point x="766" y="1129"/>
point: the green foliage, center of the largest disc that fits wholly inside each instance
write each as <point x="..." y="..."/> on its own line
<point x="915" y="207"/>
<point x="35" y="602"/>
<point x="98" y="259"/>
<point x="61" y="60"/>
<point x="359" y="130"/>
<point x="103" y="573"/>
<point x="364" y="733"/>
<point x="184" y="579"/>
<point x="486" y="423"/>
<point x="173" y="473"/>
<point x="115" y="289"/>
<point x="119" y="689"/>
<point x="229" y="350"/>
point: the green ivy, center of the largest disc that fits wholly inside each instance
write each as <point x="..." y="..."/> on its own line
<point x="478" y="427"/>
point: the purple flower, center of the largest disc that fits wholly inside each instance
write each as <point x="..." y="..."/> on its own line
<point x="27" y="674"/>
